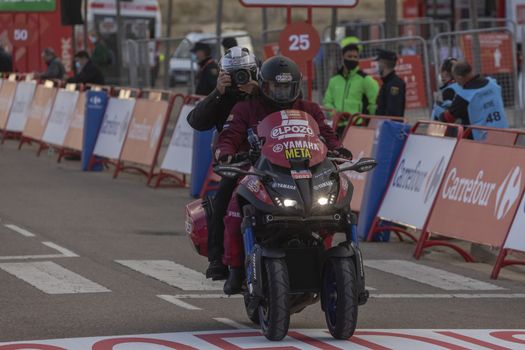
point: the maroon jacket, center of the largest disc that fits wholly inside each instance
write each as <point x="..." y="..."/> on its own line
<point x="247" y="114"/>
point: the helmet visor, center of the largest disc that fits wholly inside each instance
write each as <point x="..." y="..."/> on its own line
<point x="281" y="92"/>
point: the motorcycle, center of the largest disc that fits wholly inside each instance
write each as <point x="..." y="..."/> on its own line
<point x="293" y="198"/>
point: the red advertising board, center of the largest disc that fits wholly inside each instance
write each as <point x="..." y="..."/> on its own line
<point x="410" y="69"/>
<point x="26" y="34"/>
<point x="480" y="193"/>
<point x="496" y="52"/>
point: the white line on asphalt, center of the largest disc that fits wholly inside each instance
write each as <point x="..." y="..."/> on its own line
<point x="173" y="274"/>
<point x="174" y="300"/>
<point x="32" y="257"/>
<point x="52" y="278"/>
<point x="449" y="296"/>
<point x="20" y="230"/>
<point x="65" y="252"/>
<point x="231" y="323"/>
<point x="428" y="275"/>
<point x="207" y="296"/>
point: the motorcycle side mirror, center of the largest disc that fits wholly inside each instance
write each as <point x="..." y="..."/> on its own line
<point x="361" y="166"/>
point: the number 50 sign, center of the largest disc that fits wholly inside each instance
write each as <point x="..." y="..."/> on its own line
<point x="299" y="41"/>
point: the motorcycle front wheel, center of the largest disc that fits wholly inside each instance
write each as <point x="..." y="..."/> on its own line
<point x="340" y="297"/>
<point x="274" y="310"/>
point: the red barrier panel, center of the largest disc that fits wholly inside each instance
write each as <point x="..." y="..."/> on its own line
<point x="479" y="195"/>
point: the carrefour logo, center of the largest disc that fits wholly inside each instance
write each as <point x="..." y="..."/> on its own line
<point x="95" y="100"/>
<point x="478" y="191"/>
<point x="409" y="178"/>
<point x="508" y="193"/>
<point x="434" y="179"/>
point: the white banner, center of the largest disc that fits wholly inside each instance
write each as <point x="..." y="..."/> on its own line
<point x="516" y="238"/>
<point x="60" y="117"/>
<point x="416" y="179"/>
<point x="18" y="115"/>
<point x="114" y="128"/>
<point x="180" y="151"/>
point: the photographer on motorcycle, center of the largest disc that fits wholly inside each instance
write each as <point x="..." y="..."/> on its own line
<point x="212" y="112"/>
<point x="280" y="87"/>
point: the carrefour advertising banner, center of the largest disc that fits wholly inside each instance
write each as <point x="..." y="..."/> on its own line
<point x="27" y="5"/>
<point x="480" y="193"/>
<point x="416" y="179"/>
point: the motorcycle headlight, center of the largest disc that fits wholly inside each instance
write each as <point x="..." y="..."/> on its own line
<point x="289" y="203"/>
<point x="322" y="201"/>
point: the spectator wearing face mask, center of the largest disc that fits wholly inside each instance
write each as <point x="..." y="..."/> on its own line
<point x="351" y="90"/>
<point x="447" y="90"/>
<point x="100" y="55"/>
<point x="86" y="71"/>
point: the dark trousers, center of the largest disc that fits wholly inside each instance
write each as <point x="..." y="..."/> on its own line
<point x="216" y="229"/>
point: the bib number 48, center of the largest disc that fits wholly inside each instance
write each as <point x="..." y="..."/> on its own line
<point x="493" y="117"/>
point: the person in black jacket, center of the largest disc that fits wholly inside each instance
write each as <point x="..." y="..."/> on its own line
<point x="213" y="112"/>
<point x="55" y="68"/>
<point x="6" y="61"/>
<point x="391" y="99"/>
<point x="87" y="71"/>
<point x="209" y="70"/>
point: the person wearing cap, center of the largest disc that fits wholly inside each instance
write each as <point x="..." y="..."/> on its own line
<point x="447" y="90"/>
<point x="209" y="70"/>
<point x="55" y="68"/>
<point x="391" y="99"/>
<point x="213" y="112"/>
<point x="351" y="90"/>
<point x="478" y="101"/>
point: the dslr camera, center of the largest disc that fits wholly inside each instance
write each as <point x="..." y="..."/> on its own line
<point x="240" y="65"/>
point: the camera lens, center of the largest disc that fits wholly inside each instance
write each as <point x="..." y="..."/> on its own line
<point x="241" y="77"/>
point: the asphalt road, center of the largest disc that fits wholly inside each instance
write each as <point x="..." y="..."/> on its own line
<point x="102" y="238"/>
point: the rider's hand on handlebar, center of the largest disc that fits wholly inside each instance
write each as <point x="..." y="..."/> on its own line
<point x="341" y="152"/>
<point x="223" y="81"/>
<point x="225" y="159"/>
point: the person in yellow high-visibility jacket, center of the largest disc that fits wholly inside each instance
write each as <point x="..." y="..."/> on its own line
<point x="351" y="90"/>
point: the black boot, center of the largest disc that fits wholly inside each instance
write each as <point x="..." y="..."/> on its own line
<point x="233" y="284"/>
<point x="217" y="270"/>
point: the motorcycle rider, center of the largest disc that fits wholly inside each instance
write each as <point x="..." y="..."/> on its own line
<point x="210" y="113"/>
<point x="280" y="87"/>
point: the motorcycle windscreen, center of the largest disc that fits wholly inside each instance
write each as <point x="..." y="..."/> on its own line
<point x="291" y="135"/>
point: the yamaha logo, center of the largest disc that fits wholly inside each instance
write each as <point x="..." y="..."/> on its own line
<point x="508" y="193"/>
<point x="278" y="148"/>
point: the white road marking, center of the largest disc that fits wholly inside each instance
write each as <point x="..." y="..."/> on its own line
<point x="65" y="252"/>
<point x="174" y="300"/>
<point x="428" y="275"/>
<point x="174" y="274"/>
<point x="449" y="296"/>
<point x="52" y="278"/>
<point x="20" y="230"/>
<point x="231" y="323"/>
<point x="207" y="296"/>
<point x="32" y="257"/>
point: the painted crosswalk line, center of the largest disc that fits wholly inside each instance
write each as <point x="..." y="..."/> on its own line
<point x="174" y="274"/>
<point x="373" y="339"/>
<point x="431" y="276"/>
<point x="52" y="278"/>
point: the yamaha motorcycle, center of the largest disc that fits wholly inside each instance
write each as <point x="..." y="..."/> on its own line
<point x="293" y="198"/>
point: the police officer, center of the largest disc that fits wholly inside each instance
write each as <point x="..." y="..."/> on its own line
<point x="212" y="112"/>
<point x="478" y="101"/>
<point x="391" y="99"/>
<point x="447" y="90"/>
<point x="209" y="70"/>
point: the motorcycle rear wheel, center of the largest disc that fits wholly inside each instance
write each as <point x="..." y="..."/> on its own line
<point x="340" y="297"/>
<point x="274" y="311"/>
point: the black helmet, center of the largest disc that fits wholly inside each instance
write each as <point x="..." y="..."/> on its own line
<point x="280" y="80"/>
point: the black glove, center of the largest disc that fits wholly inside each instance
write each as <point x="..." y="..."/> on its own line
<point x="225" y="159"/>
<point x="342" y="153"/>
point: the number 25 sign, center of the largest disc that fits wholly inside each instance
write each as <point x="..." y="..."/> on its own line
<point x="299" y="41"/>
